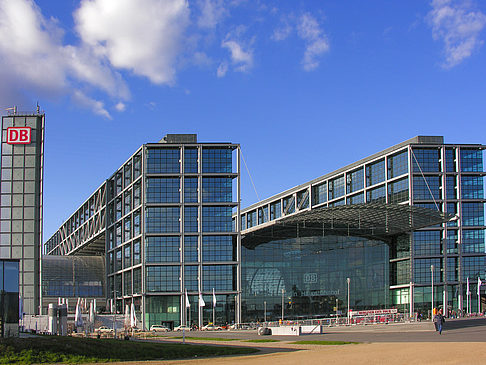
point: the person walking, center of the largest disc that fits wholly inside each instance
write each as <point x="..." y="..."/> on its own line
<point x="439" y="321"/>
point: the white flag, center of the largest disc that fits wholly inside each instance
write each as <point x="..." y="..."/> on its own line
<point x="201" y="301"/>
<point x="188" y="304"/>
<point x="78" y="318"/>
<point x="214" y="299"/>
<point x="91" y="313"/>
<point x="479" y="286"/>
<point x="21" y="307"/>
<point x="127" y="316"/>
<point x="133" y="317"/>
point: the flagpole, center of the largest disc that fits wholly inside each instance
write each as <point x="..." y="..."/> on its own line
<point x="214" y="309"/>
<point x="188" y="307"/>
<point x="467" y="296"/>
<point x="479" y="295"/>
<point x="201" y="304"/>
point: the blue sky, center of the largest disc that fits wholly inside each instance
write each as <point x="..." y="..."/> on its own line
<point x="304" y="86"/>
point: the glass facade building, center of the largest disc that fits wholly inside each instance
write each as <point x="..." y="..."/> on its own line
<point x="164" y="222"/>
<point x="421" y="172"/>
<point x="73" y="277"/>
<point x="308" y="274"/>
<point x="21" y="201"/>
<point x="10" y="308"/>
<point x="168" y="222"/>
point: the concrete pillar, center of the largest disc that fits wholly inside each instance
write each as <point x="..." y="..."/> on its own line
<point x="52" y="319"/>
<point x="62" y="311"/>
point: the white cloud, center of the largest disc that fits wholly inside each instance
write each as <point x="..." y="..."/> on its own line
<point x="152" y="105"/>
<point x="84" y="65"/>
<point x="282" y="33"/>
<point x="96" y="106"/>
<point x="458" y="26"/>
<point x="27" y="49"/>
<point x="201" y="59"/>
<point x="242" y="60"/>
<point x="120" y="107"/>
<point x="316" y="42"/>
<point x="222" y="69"/>
<point x="142" y="36"/>
<point x="34" y="60"/>
<point x="309" y="30"/>
<point x="212" y="12"/>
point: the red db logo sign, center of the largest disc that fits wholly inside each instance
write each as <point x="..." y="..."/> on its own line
<point x="18" y="135"/>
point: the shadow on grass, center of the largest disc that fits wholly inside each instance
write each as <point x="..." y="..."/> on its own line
<point x="262" y="340"/>
<point x="47" y="349"/>
<point x="207" y="338"/>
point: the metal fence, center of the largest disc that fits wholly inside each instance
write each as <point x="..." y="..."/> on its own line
<point x="334" y="321"/>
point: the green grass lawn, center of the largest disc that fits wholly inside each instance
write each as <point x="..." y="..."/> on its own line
<point x="47" y="349"/>
<point x="262" y="340"/>
<point x="325" y="343"/>
<point x="208" y="338"/>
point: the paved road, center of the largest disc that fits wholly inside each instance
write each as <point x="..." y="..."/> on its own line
<point x="462" y="342"/>
<point x="457" y="330"/>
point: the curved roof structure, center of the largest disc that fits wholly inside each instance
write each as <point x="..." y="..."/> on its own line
<point x="372" y="220"/>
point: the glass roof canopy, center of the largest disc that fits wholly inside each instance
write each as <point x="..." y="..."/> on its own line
<point x="373" y="220"/>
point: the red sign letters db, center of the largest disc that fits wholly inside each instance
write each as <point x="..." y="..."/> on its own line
<point x="18" y="135"/>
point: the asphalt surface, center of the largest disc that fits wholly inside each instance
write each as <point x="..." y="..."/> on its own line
<point x="455" y="330"/>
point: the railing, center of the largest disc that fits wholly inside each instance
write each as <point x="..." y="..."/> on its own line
<point x="335" y="321"/>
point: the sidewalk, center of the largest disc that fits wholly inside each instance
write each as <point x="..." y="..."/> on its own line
<point x="374" y="353"/>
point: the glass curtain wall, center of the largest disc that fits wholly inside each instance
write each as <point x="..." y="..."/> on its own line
<point x="124" y="235"/>
<point x="190" y="244"/>
<point x="449" y="178"/>
<point x="309" y="274"/>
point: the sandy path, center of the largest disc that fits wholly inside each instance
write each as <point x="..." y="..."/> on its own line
<point x="372" y="353"/>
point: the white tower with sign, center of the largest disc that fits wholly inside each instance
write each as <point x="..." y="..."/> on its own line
<point x="21" y="189"/>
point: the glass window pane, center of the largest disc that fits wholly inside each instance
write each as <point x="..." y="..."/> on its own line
<point x="471" y="160"/>
<point x="217" y="189"/>
<point x="398" y="164"/>
<point x="163" y="219"/>
<point x="354" y="181"/>
<point x="398" y="191"/>
<point x="216" y="160"/>
<point x="163" y="190"/>
<point x="426" y="160"/>
<point x="190" y="160"/>
<point x="162" y="249"/>
<point x="217" y="219"/>
<point x="163" y="160"/>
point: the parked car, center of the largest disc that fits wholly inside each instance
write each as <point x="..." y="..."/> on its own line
<point x="210" y="327"/>
<point x="180" y="328"/>
<point x="158" y="328"/>
<point x="104" y="329"/>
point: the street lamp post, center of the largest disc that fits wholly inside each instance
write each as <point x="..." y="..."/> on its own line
<point x="265" y="311"/>
<point x="349" y="281"/>
<point x="432" y="285"/>
<point x="283" y="291"/>
<point x="337" y="311"/>
<point x="411" y="300"/>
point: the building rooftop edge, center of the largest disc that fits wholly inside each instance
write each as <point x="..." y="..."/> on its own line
<point x="150" y="144"/>
<point x="417" y="140"/>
